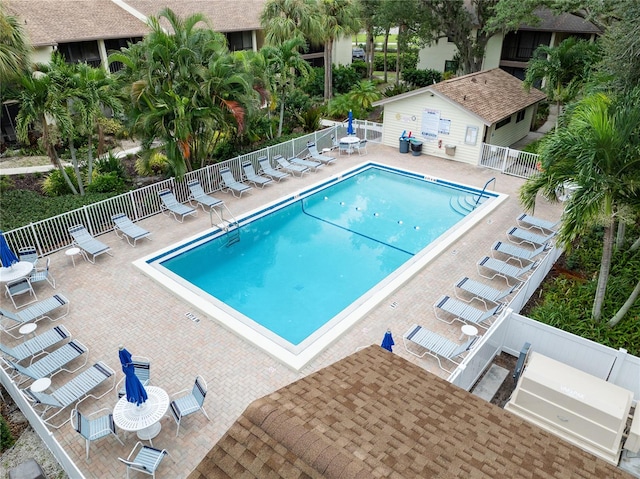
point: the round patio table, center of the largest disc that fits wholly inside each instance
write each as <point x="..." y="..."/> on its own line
<point x="16" y="271"/>
<point x="143" y="419"/>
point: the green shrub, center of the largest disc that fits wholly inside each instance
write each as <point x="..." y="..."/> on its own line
<point x="421" y="78"/>
<point x="153" y="164"/>
<point x="360" y="67"/>
<point x="55" y="184"/>
<point x="6" y="438"/>
<point x="111" y="126"/>
<point x="6" y="183"/>
<point x="396" y="90"/>
<point x="344" y="77"/>
<point x="111" y="164"/>
<point x="409" y="61"/>
<point x="107" y="183"/>
<point x="312" y="84"/>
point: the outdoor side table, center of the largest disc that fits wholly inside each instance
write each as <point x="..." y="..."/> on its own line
<point x="143" y="419"/>
<point x="468" y="330"/>
<point x="72" y="253"/>
<point x="40" y="385"/>
<point x="27" y="329"/>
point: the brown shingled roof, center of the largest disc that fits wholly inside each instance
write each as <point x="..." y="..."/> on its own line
<point x="225" y="15"/>
<point x="563" y="22"/>
<point x="492" y="95"/>
<point x="49" y="22"/>
<point x="375" y="414"/>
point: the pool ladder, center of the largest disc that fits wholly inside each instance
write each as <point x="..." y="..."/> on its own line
<point x="231" y="226"/>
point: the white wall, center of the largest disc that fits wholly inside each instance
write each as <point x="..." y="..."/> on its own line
<point x="493" y="52"/>
<point x="41" y="54"/>
<point x="406" y="115"/>
<point x="509" y="134"/>
<point x="433" y="57"/>
<point x="341" y="54"/>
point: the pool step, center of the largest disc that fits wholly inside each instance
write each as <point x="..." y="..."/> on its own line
<point x="465" y="204"/>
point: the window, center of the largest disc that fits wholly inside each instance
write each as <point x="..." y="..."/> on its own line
<point x="450" y="66"/>
<point x="520" y="116"/>
<point x="502" y="123"/>
<point x="239" y="41"/>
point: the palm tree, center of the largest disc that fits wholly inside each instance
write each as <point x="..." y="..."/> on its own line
<point x="283" y="63"/>
<point x="599" y="152"/>
<point x="286" y="19"/>
<point x="14" y="48"/>
<point x="339" y="18"/>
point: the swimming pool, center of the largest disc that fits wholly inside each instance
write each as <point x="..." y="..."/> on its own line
<point x="306" y="263"/>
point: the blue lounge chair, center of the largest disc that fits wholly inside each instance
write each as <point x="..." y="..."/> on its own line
<point x="52" y="363"/>
<point x="197" y="194"/>
<point x="253" y="177"/>
<point x="74" y="391"/>
<point x="88" y="244"/>
<point x="528" y="221"/>
<point x="519" y="236"/>
<point x="268" y="170"/>
<point x="231" y="184"/>
<point x="463" y="312"/>
<point x="481" y="291"/>
<point x="290" y="167"/>
<point x="171" y="206"/>
<point x="503" y="269"/>
<point x="35" y="346"/>
<point x="129" y="229"/>
<point x="516" y="253"/>
<point x="35" y="312"/>
<point x="317" y="156"/>
<point x="435" y="345"/>
<point x="314" y="165"/>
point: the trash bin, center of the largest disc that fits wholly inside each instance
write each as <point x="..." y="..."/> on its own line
<point x="450" y="149"/>
<point x="416" y="147"/>
<point x="404" y="144"/>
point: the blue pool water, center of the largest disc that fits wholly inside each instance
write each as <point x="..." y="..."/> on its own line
<point x="297" y="267"/>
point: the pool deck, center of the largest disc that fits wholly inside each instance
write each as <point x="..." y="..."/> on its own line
<point x="113" y="303"/>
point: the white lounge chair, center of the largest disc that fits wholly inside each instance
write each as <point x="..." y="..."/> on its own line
<point x="253" y="177"/>
<point x="52" y="363"/>
<point x="36" y="345"/>
<point x="129" y="229"/>
<point x="503" y="269"/>
<point x="95" y="428"/>
<point x="231" y="184"/>
<point x="35" y="312"/>
<point x="481" y="291"/>
<point x="360" y="146"/>
<point x="144" y="459"/>
<point x="268" y="170"/>
<point x="189" y="403"/>
<point x="290" y="167"/>
<point x="72" y="392"/>
<point x="314" y="165"/>
<point x="463" y="312"/>
<point x="19" y="287"/>
<point x="171" y="206"/>
<point x="316" y="155"/>
<point x="528" y="221"/>
<point x="88" y="244"/>
<point x="435" y="345"/>
<point x="519" y="236"/>
<point x="197" y="194"/>
<point x="516" y="253"/>
<point x="345" y="148"/>
<point x="43" y="274"/>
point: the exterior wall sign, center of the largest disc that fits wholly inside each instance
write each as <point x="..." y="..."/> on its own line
<point x="471" y="137"/>
<point x="445" y="126"/>
<point x="430" y="124"/>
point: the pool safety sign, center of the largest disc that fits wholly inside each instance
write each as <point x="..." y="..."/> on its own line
<point x="430" y="124"/>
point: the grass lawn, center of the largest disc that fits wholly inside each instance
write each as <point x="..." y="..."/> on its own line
<point x="362" y="38"/>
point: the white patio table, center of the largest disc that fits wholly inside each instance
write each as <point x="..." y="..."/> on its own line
<point x="16" y="271"/>
<point x="143" y="419"/>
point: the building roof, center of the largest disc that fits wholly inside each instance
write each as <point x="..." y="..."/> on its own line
<point x="225" y="15"/>
<point x="563" y="22"/>
<point x="491" y="95"/>
<point x="49" y="22"/>
<point x="375" y="414"/>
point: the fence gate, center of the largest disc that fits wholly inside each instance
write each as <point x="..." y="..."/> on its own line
<point x="509" y="161"/>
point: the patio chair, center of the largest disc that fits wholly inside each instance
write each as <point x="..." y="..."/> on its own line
<point x="525" y="236"/>
<point x="28" y="253"/>
<point x="197" y="194"/>
<point x="528" y="222"/>
<point x="516" y="253"/>
<point x="73" y="392"/>
<point x="313" y="165"/>
<point x="43" y="274"/>
<point x="290" y="167"/>
<point x="52" y="363"/>
<point x="435" y="345"/>
<point x="503" y="269"/>
<point x="171" y="206"/>
<point x="88" y="244"/>
<point x="36" y="345"/>
<point x="481" y="291"/>
<point x="35" y="312"/>
<point x="268" y="170"/>
<point x="19" y="287"/>
<point x="345" y="148"/>
<point x="94" y="428"/>
<point x="253" y="177"/>
<point x="360" y="146"/>
<point x="189" y="403"/>
<point x="463" y="312"/>
<point x="142" y="369"/>
<point x="130" y="231"/>
<point x="144" y="459"/>
<point x="316" y="155"/>
<point x="231" y="184"/>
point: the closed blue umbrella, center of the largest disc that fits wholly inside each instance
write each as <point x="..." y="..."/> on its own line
<point x="134" y="388"/>
<point x="387" y="341"/>
<point x="7" y="257"/>
<point x="350" y="130"/>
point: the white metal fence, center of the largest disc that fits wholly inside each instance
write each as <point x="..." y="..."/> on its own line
<point x="509" y="161"/>
<point x="52" y="234"/>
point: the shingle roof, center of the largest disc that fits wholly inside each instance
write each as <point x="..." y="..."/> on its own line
<point x="225" y="15"/>
<point x="564" y="22"/>
<point x="375" y="414"/>
<point x="49" y="22"/>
